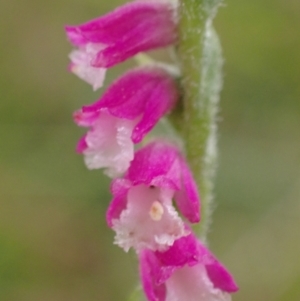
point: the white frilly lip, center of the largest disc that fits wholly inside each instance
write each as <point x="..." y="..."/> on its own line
<point x="149" y="220"/>
<point x="109" y="144"/>
<point x="81" y="60"/>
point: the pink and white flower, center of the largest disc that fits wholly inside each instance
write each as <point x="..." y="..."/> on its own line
<point x="125" y="113"/>
<point x="142" y="212"/>
<point x="134" y="27"/>
<point x="187" y="271"/>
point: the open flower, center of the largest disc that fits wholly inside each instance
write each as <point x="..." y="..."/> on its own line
<point x="141" y="212"/>
<point x="187" y="271"/>
<point x="108" y="40"/>
<point x="125" y="113"/>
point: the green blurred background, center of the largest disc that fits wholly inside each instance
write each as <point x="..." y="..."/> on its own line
<point x="54" y="243"/>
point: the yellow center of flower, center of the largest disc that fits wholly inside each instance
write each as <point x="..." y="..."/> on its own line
<point x="156" y="211"/>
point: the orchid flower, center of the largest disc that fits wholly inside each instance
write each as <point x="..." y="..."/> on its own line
<point x="108" y="40"/>
<point x="187" y="271"/>
<point x="141" y="212"/>
<point x="126" y="112"/>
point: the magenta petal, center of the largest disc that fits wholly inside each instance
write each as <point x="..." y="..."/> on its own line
<point x="134" y="27"/>
<point x="161" y="100"/>
<point x="183" y="252"/>
<point x="127" y="95"/>
<point x="145" y="92"/>
<point x="156" y="164"/>
<point x="221" y="278"/>
<point x="119" y="188"/>
<point x="216" y="272"/>
<point x="149" y="269"/>
<point x="187" y="199"/>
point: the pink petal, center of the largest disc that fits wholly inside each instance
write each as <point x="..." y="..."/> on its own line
<point x="174" y="257"/>
<point x="119" y="188"/>
<point x="127" y="95"/>
<point x="134" y="27"/>
<point x="161" y="100"/>
<point x="156" y="164"/>
<point x="147" y="92"/>
<point x="221" y="278"/>
<point x="187" y="199"/>
<point x="149" y="268"/>
<point x="217" y="273"/>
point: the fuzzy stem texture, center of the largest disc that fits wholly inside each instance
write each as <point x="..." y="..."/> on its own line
<point x="200" y="59"/>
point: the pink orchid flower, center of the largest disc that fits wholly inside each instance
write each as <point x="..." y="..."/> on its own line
<point x="187" y="271"/>
<point x="141" y="212"/>
<point x="108" y="40"/>
<point x="126" y="112"/>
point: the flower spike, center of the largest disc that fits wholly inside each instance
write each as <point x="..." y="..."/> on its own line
<point x="142" y="213"/>
<point x="108" y="40"/>
<point x="187" y="271"/>
<point x="126" y="112"/>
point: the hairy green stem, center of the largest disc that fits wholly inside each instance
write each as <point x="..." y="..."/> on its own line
<point x="200" y="59"/>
